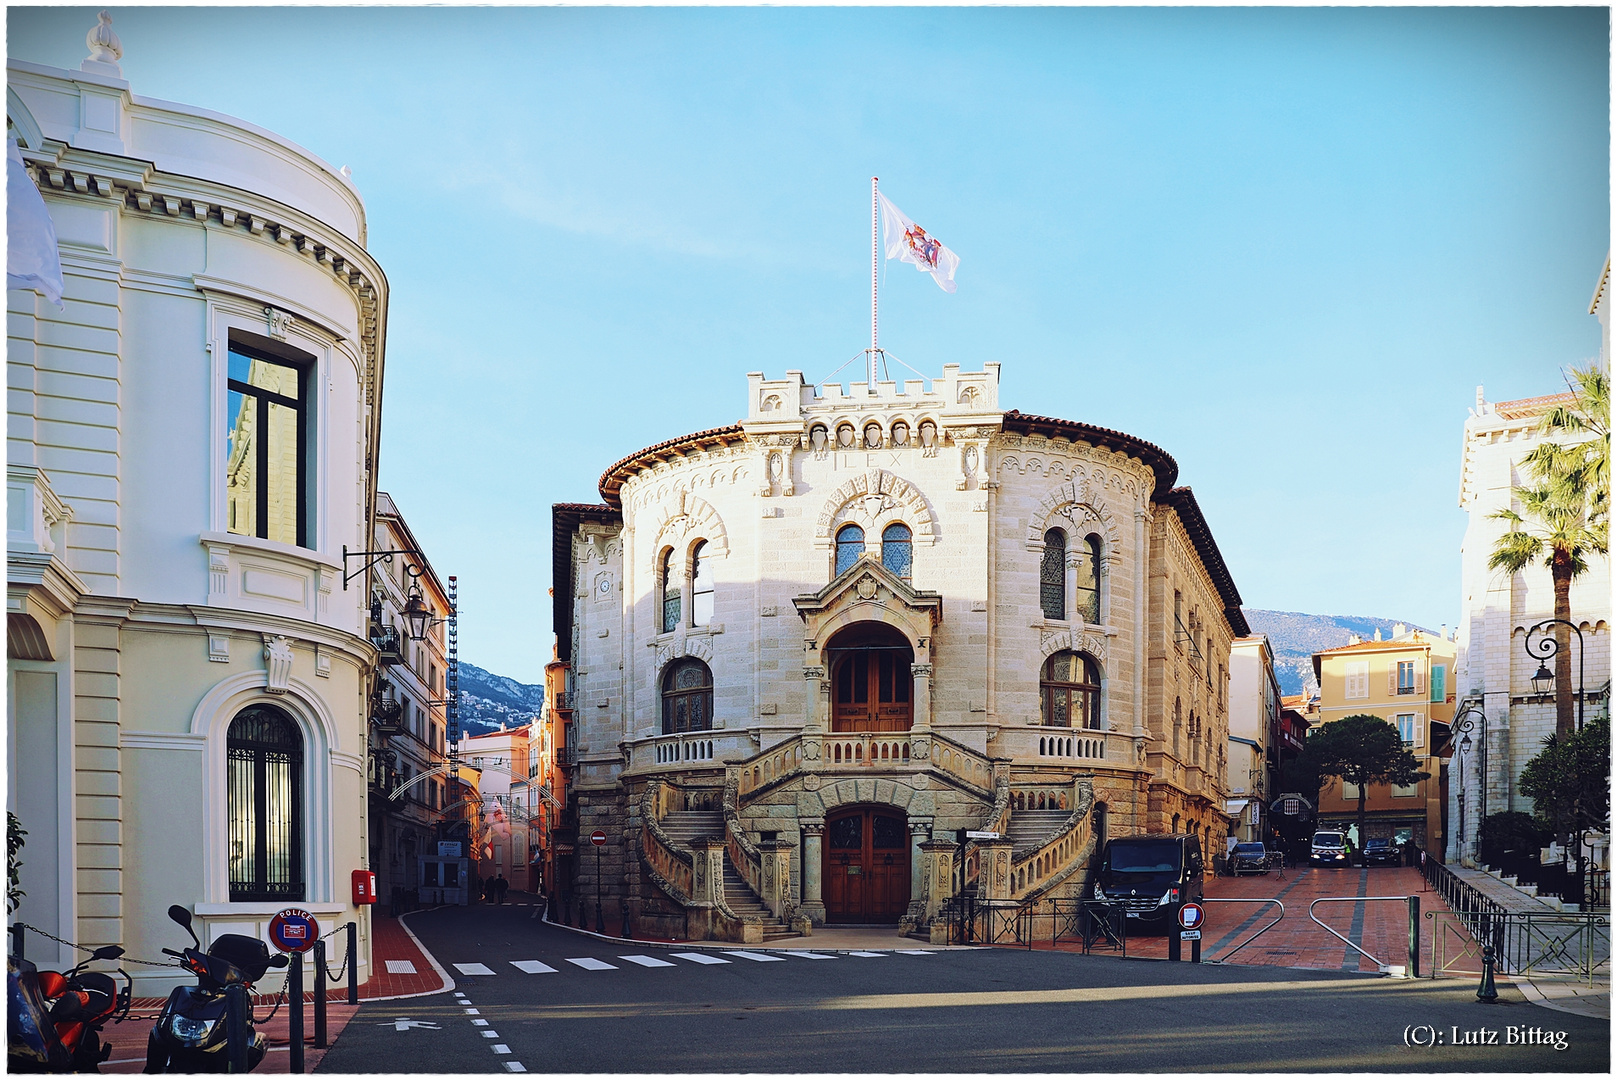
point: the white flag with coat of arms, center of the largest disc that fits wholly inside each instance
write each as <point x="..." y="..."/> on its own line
<point x="32" y="259"/>
<point x="908" y="242"/>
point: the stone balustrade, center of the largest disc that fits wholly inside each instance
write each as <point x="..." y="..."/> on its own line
<point x="1068" y="849"/>
<point x="1064" y="745"/>
<point x="675" y="870"/>
<point x="686" y="751"/>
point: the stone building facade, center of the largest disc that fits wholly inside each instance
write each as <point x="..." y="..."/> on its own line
<point x="805" y="649"/>
<point x="186" y="685"/>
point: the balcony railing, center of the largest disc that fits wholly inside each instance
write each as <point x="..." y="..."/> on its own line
<point x="389" y="645"/>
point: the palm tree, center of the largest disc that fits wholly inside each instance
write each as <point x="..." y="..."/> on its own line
<point x="1586" y="463"/>
<point x="1555" y="524"/>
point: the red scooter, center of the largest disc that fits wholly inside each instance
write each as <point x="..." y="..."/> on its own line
<point x="54" y="1018"/>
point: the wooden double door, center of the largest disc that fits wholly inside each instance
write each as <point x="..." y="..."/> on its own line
<point x="871" y="680"/>
<point x="867" y="865"/>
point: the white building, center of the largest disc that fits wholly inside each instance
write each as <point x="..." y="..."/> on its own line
<point x="1492" y="666"/>
<point x="191" y="443"/>
<point x="1254" y="766"/>
<point x="808" y="647"/>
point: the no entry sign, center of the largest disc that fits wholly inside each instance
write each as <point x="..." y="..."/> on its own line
<point x="1190" y="916"/>
<point x="294" y="931"/>
<point x="598" y="838"/>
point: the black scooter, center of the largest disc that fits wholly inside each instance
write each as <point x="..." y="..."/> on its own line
<point x="191" y="1035"/>
<point x="54" y="1018"/>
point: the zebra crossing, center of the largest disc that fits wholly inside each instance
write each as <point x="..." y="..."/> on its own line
<point x="644" y="961"/>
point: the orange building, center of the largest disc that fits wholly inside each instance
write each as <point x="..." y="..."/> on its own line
<point x="1408" y="681"/>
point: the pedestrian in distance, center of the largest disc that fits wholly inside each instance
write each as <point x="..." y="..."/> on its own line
<point x="500" y="885"/>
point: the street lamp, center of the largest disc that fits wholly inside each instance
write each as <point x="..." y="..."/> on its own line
<point x="1463" y="725"/>
<point x="417" y="615"/>
<point x="1543" y="680"/>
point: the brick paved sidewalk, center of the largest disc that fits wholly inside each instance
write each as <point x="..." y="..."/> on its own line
<point x="1381" y="927"/>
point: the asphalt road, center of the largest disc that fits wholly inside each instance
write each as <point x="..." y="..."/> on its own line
<point x="989" y="1010"/>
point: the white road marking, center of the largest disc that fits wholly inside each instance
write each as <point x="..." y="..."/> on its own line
<point x="589" y="963"/>
<point x="532" y="967"/>
<point x="473" y="1012"/>
<point x="647" y="961"/>
<point x="473" y="969"/>
<point x="810" y="955"/>
<point x="490" y="1034"/>
<point x="867" y="954"/>
<point x="914" y="952"/>
<point x="399" y="967"/>
<point x="500" y="1048"/>
<point x="760" y="957"/>
<point x="479" y="1023"/>
<point x="700" y="958"/>
<point x="515" y="1066"/>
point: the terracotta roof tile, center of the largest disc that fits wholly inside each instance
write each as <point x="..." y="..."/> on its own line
<point x="1533" y="406"/>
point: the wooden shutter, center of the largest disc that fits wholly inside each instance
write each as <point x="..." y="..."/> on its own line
<point x="1392" y="679"/>
<point x="1420" y="681"/>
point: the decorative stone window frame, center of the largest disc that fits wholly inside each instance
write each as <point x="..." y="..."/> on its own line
<point x="287" y="323"/>
<point x="874" y="500"/>
<point x="1089" y="643"/>
<point x="323" y="752"/>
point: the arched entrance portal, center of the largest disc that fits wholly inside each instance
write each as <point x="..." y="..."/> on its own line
<point x="867" y="865"/>
<point x="871" y="679"/>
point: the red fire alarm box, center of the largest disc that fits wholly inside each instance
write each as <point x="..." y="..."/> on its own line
<point x="364" y="886"/>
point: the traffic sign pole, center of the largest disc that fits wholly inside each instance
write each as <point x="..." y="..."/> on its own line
<point x="598" y="838"/>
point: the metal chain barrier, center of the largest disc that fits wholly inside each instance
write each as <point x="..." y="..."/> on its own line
<point x="81" y="948"/>
<point x="332" y="933"/>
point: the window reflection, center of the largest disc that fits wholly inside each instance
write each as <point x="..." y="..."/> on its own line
<point x="265" y="468"/>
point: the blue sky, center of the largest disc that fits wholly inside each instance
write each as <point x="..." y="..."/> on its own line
<point x="1283" y="244"/>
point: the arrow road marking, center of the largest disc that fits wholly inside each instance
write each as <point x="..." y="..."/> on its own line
<point x="700" y="958"/>
<point x="404" y="1023"/>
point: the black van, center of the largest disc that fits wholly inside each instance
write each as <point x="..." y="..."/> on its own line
<point x="1151" y="874"/>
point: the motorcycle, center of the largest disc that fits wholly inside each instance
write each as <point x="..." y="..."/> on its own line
<point x="190" y="1034"/>
<point x="54" y="1018"/>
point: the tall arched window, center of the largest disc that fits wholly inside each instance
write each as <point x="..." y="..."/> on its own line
<point x="1178" y="723"/>
<point x="1053" y="575"/>
<point x="687" y="697"/>
<point x="1070" y="688"/>
<point x="701" y="586"/>
<point x="1086" y="593"/>
<point x="264" y="792"/>
<point x="670" y="593"/>
<point x="850" y="545"/>
<point x="895" y="549"/>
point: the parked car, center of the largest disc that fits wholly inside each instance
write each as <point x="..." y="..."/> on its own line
<point x="1381" y="851"/>
<point x="1151" y="875"/>
<point x="1249" y="858"/>
<point x="1328" y="849"/>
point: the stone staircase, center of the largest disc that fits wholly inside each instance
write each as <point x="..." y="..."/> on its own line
<point x="684" y="826"/>
<point x="745" y="903"/>
<point x="1030" y="828"/>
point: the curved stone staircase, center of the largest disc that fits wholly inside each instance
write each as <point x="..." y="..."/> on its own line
<point x="685" y="826"/>
<point x="1028" y="829"/>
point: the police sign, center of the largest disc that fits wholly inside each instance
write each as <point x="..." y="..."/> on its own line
<point x="293" y="931"/>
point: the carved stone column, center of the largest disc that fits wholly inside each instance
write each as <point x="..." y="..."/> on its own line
<point x="922" y="696"/>
<point x="708" y="878"/>
<point x="813" y="904"/>
<point x="938" y="881"/>
<point x="920" y="833"/>
<point x="813" y="679"/>
<point x="994" y="875"/>
<point x="777" y="873"/>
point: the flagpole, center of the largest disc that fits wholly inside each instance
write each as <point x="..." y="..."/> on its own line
<point x="875" y="263"/>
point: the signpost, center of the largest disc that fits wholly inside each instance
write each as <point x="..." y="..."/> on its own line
<point x="598" y="838"/>
<point x="295" y="931"/>
<point x="1191" y="917"/>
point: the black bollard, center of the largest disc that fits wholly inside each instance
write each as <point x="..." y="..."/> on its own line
<point x="583" y="916"/>
<point x="1485" y="990"/>
<point x="353" y="968"/>
<point x="1413" y="970"/>
<point x="628" y="931"/>
<point x="294" y="1016"/>
<point x="236" y="1030"/>
<point x="1173" y="933"/>
<point x="320" y="994"/>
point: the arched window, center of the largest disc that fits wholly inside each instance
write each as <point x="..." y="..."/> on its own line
<point x="670" y="593"/>
<point x="264" y="792"/>
<point x="1053" y="575"/>
<point x="850" y="545"/>
<point x="701" y="586"/>
<point x="1086" y="593"/>
<point x="687" y="697"/>
<point x="1178" y="722"/>
<point x="895" y="549"/>
<point x="1070" y="688"/>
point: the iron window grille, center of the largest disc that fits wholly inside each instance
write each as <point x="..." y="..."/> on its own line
<point x="264" y="752"/>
